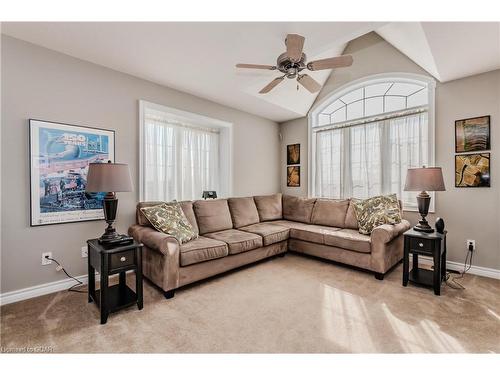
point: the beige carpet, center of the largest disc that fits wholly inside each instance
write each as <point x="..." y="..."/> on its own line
<point x="290" y="304"/>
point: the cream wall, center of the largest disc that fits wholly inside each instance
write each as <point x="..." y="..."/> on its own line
<point x="468" y="213"/>
<point x="43" y="84"/>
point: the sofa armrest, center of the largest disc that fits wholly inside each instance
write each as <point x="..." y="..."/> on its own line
<point x="387" y="232"/>
<point x="155" y="240"/>
<point x="161" y="256"/>
<point x="387" y="245"/>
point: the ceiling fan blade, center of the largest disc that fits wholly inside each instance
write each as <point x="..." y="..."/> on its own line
<point x="294" y="45"/>
<point x="271" y="85"/>
<point x="309" y="83"/>
<point x="256" y="66"/>
<point x="330" y="63"/>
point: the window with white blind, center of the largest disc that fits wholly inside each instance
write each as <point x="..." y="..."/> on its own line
<point x="365" y="136"/>
<point x="182" y="154"/>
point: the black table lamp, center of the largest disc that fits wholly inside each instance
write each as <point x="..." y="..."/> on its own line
<point x="423" y="180"/>
<point x="109" y="177"/>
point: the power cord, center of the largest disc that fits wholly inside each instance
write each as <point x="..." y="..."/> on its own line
<point x="61" y="268"/>
<point x="453" y="283"/>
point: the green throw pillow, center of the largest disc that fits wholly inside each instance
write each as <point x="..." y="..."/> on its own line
<point x="170" y="219"/>
<point x="375" y="211"/>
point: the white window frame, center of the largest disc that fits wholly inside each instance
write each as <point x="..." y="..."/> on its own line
<point x="225" y="143"/>
<point x="313" y="117"/>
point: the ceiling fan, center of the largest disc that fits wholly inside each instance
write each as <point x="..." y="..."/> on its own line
<point x="293" y="61"/>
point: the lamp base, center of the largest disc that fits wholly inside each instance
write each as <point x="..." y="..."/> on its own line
<point x="423" y="202"/>
<point x="110" y="205"/>
<point x="423" y="227"/>
<point x="121" y="239"/>
<point x="110" y="236"/>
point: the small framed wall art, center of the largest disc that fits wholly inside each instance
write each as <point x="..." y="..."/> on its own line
<point x="59" y="162"/>
<point x="293" y="176"/>
<point x="472" y="170"/>
<point x="293" y="154"/>
<point x="472" y="134"/>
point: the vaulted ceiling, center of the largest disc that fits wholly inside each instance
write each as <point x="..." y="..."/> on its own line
<point x="447" y="50"/>
<point x="199" y="58"/>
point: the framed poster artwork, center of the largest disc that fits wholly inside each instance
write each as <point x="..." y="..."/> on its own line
<point x="472" y="170"/>
<point x="293" y="176"/>
<point x="472" y="134"/>
<point x="59" y="160"/>
<point x="293" y="154"/>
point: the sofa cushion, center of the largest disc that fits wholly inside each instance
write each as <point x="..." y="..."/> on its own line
<point x="349" y="239"/>
<point x="330" y="212"/>
<point x="269" y="207"/>
<point x="187" y="207"/>
<point x="351" y="222"/>
<point x="212" y="215"/>
<point x="306" y="232"/>
<point x="170" y="219"/>
<point x="312" y="233"/>
<point x="270" y="232"/>
<point x="289" y="224"/>
<point x="375" y="211"/>
<point x="298" y="209"/>
<point x="237" y="241"/>
<point x="201" y="250"/>
<point x="243" y="211"/>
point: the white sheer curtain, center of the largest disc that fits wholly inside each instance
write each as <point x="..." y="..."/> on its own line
<point x="409" y="142"/>
<point x="371" y="159"/>
<point x="180" y="160"/>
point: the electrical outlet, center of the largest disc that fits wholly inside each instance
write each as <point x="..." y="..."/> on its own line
<point x="85" y="253"/>
<point x="45" y="261"/>
<point x="473" y="243"/>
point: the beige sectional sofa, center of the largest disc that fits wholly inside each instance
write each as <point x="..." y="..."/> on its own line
<point x="237" y="231"/>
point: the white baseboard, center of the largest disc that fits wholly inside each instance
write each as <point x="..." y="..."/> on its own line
<point x="475" y="270"/>
<point x="40" y="290"/>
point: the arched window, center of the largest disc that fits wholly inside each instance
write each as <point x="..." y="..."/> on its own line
<point x="365" y="135"/>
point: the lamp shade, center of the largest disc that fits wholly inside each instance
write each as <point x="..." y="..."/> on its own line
<point x="108" y="177"/>
<point x="424" y="179"/>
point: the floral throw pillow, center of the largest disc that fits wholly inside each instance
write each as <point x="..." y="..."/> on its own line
<point x="375" y="211"/>
<point x="170" y="219"/>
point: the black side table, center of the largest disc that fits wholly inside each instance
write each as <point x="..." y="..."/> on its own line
<point x="109" y="260"/>
<point x="429" y="244"/>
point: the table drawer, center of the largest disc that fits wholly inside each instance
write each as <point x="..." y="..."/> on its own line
<point x="122" y="259"/>
<point x="420" y="244"/>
